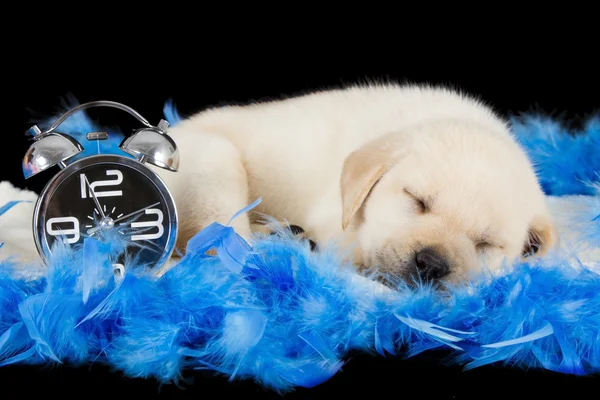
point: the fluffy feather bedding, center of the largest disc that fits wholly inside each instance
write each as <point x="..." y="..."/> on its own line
<point x="274" y="312"/>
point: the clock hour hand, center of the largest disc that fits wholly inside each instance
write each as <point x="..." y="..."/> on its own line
<point x="94" y="197"/>
<point x="97" y="228"/>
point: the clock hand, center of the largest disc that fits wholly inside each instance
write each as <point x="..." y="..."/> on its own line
<point x="94" y="197"/>
<point x="135" y="212"/>
<point x="97" y="228"/>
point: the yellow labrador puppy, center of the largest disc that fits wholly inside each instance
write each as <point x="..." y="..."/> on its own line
<point x="421" y="182"/>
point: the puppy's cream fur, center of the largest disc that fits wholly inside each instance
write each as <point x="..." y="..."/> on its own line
<point x="386" y="170"/>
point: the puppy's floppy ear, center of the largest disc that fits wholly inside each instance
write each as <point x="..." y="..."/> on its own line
<point x="541" y="237"/>
<point x="361" y="171"/>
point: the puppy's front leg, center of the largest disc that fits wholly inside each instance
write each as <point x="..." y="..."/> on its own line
<point x="210" y="186"/>
<point x="297" y="231"/>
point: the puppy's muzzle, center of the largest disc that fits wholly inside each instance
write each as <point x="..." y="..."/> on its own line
<point x="429" y="266"/>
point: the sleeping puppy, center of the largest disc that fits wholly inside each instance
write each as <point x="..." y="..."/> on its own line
<point x="423" y="183"/>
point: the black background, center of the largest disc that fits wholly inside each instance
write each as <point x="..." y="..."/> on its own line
<point x="544" y="69"/>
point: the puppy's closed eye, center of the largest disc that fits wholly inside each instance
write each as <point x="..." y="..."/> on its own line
<point x="420" y="205"/>
<point x="483" y="246"/>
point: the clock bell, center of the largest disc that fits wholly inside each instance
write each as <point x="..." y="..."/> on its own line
<point x="48" y="149"/>
<point x="154" y="146"/>
<point x="150" y="144"/>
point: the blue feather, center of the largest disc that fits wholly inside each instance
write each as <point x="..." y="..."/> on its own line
<point x="13" y="343"/>
<point x="276" y="313"/>
<point x="10" y="205"/>
<point x="566" y="162"/>
<point x="171" y="114"/>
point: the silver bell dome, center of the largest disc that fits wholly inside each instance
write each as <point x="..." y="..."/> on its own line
<point x="47" y="151"/>
<point x="153" y="146"/>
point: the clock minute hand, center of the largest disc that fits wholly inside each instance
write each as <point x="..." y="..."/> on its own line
<point x="97" y="228"/>
<point x="136" y="212"/>
<point x="94" y="197"/>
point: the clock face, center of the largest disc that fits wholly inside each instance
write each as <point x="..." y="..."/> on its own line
<point x="104" y="195"/>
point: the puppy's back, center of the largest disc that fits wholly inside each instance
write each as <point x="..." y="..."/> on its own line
<point x="354" y="113"/>
<point x="296" y="146"/>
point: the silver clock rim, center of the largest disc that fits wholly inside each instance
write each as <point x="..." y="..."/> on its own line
<point x="60" y="177"/>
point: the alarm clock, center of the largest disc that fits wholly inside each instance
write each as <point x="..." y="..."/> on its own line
<point x="105" y="193"/>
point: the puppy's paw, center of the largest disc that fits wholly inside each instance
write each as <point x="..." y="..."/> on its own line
<point x="300" y="234"/>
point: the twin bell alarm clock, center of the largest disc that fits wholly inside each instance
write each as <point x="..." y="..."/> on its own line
<point x="105" y="192"/>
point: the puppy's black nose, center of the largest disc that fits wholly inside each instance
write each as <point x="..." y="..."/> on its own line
<point x="431" y="266"/>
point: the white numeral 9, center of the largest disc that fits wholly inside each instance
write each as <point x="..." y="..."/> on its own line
<point x="145" y="224"/>
<point x="73" y="232"/>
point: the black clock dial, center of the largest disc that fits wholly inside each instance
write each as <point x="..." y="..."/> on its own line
<point x="129" y="200"/>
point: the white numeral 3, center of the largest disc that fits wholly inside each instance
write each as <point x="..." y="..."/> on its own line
<point x="145" y="224"/>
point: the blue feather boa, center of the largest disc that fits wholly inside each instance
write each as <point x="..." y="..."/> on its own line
<point x="286" y="317"/>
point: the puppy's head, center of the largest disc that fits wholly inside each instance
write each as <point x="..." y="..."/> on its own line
<point x="443" y="201"/>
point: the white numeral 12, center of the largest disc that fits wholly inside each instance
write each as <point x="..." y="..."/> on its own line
<point x="74" y="231"/>
<point x="145" y="224"/>
<point x="109" y="182"/>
